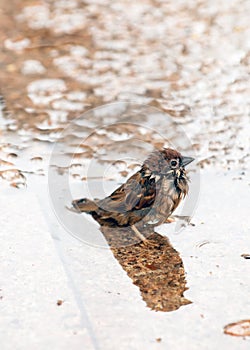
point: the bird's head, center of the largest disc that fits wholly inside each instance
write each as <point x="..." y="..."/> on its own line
<point x="174" y="160"/>
<point x="167" y="161"/>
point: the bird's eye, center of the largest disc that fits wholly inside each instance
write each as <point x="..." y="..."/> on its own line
<point x="173" y="163"/>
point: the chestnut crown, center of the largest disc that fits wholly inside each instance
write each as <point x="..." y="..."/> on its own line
<point x="175" y="159"/>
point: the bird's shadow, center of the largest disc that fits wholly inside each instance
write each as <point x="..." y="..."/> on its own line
<point x="156" y="268"/>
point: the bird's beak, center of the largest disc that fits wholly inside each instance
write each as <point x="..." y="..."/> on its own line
<point x="186" y="160"/>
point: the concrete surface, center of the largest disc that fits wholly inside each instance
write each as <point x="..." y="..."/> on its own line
<point x="33" y="280"/>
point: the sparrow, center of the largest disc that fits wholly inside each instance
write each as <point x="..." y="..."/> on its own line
<point x="147" y="198"/>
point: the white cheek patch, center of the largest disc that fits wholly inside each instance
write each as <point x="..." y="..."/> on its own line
<point x="156" y="177"/>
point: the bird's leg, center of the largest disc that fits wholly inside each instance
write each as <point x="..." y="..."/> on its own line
<point x="142" y="238"/>
<point x="138" y="233"/>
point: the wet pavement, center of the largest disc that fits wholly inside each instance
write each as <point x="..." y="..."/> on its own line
<point x="185" y="66"/>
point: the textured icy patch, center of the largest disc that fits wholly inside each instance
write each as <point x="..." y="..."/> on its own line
<point x="44" y="91"/>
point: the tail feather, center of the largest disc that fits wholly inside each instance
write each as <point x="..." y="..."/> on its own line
<point x="85" y="205"/>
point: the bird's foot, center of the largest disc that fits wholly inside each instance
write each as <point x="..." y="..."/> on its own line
<point x="143" y="240"/>
<point x="185" y="218"/>
<point x="169" y="220"/>
<point x="148" y="243"/>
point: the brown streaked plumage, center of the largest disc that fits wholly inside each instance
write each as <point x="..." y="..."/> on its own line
<point x="148" y="197"/>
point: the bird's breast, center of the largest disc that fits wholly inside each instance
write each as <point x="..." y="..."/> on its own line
<point x="167" y="197"/>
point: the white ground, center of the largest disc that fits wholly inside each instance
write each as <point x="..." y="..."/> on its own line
<point x="101" y="308"/>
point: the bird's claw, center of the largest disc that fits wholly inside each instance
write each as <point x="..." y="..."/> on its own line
<point x="148" y="243"/>
<point x="169" y="220"/>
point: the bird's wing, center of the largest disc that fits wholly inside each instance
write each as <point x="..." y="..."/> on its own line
<point x="137" y="193"/>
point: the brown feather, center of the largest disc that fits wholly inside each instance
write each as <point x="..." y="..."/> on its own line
<point x="85" y="205"/>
